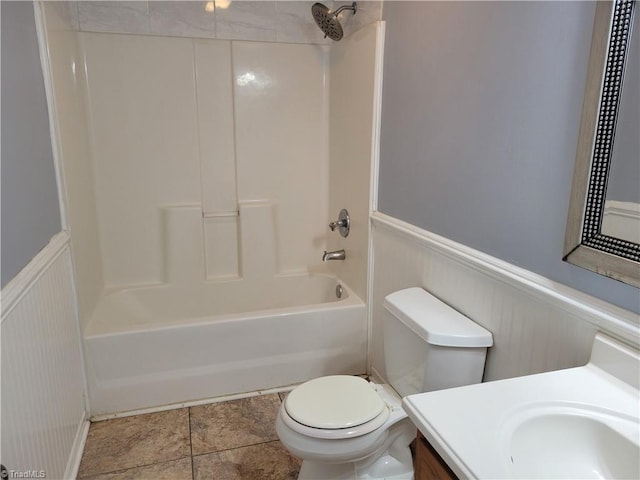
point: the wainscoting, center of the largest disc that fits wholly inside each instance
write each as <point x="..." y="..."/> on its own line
<point x="538" y="325"/>
<point x="43" y="408"/>
<point x="621" y="220"/>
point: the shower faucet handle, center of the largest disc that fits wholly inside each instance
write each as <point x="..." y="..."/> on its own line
<point x="342" y="224"/>
<point x="339" y="223"/>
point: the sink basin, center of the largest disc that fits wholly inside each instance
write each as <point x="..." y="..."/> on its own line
<point x="565" y="442"/>
<point x="577" y="423"/>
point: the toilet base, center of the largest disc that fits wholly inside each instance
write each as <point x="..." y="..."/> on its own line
<point x="314" y="470"/>
<point x="350" y="471"/>
<point x="395" y="463"/>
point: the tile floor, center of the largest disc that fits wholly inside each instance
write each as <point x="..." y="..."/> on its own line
<point x="234" y="440"/>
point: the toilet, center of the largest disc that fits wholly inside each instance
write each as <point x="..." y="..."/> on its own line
<point x="344" y="427"/>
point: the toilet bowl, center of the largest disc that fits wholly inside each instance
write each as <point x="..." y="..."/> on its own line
<point x="346" y="428"/>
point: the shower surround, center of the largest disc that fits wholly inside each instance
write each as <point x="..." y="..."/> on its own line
<point x="210" y="157"/>
<point x="199" y="190"/>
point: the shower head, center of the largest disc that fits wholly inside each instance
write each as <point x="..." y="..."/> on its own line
<point x="328" y="20"/>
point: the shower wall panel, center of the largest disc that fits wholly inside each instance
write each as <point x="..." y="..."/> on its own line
<point x="353" y="124"/>
<point x="181" y="125"/>
<point x="74" y="152"/>
<point x="221" y="252"/>
<point x="281" y="102"/>
<point x="142" y="102"/>
<point x="214" y="90"/>
<point x="215" y="123"/>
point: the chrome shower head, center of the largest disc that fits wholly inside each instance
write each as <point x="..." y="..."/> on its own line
<point x="328" y="20"/>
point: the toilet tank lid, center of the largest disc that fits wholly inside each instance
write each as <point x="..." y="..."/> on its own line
<point x="434" y="321"/>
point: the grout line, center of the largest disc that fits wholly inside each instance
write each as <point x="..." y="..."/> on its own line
<point x="191" y="455"/>
<point x="238" y="447"/>
<point x="121" y="470"/>
<point x="193" y="473"/>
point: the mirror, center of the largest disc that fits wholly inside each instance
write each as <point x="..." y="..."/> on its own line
<point x="603" y="228"/>
<point x="622" y="200"/>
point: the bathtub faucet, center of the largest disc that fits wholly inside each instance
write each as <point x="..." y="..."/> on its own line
<point x="335" y="255"/>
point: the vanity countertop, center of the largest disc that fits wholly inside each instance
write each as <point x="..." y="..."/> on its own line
<point x="524" y="427"/>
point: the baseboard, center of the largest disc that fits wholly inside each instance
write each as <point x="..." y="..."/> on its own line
<point x="73" y="465"/>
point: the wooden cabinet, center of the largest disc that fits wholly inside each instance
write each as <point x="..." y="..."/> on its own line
<point x="428" y="464"/>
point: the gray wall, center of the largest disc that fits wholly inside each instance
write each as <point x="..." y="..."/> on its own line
<point x="480" y="113"/>
<point x="30" y="211"/>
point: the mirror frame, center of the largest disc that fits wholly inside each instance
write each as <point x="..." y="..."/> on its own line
<point x="585" y="244"/>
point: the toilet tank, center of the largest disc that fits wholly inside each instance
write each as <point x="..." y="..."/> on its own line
<point x="430" y="346"/>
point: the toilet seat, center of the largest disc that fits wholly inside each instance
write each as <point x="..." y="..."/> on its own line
<point x="333" y="407"/>
<point x="313" y="449"/>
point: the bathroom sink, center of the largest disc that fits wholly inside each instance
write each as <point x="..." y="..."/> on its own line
<point x="577" y="423"/>
<point x="571" y="442"/>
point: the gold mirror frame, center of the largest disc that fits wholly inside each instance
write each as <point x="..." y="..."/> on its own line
<point x="585" y="244"/>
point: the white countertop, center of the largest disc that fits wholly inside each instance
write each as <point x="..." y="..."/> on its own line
<point x="471" y="426"/>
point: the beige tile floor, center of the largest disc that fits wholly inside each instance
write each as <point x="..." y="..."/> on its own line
<point x="234" y="440"/>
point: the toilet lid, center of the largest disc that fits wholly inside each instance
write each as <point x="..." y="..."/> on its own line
<point x="333" y="402"/>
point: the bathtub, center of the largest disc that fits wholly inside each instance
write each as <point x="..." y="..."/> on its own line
<point x="153" y="346"/>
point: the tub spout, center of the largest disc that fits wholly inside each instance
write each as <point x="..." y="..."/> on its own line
<point x="335" y="255"/>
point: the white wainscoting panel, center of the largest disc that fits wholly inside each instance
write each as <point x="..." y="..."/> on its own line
<point x="538" y="325"/>
<point x="43" y="407"/>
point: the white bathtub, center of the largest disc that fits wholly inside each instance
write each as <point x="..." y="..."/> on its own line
<point x="167" y="344"/>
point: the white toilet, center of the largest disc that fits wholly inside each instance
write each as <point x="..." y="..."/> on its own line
<point x="344" y="427"/>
